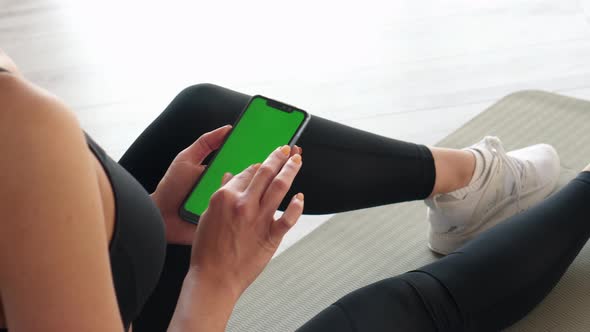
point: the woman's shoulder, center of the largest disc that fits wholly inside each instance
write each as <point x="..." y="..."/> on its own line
<point x="39" y="138"/>
<point x="18" y="94"/>
<point x="27" y="111"/>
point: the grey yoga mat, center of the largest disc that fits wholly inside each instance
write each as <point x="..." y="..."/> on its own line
<point x="357" y="248"/>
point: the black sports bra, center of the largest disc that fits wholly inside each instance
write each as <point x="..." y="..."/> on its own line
<point x="138" y="246"/>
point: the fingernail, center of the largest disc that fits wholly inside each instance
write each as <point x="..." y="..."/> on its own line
<point x="300" y="196"/>
<point x="225" y="177"/>
<point x="296" y="159"/>
<point x="256" y="166"/>
<point x="286" y="150"/>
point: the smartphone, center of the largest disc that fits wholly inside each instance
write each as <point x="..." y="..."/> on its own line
<point x="263" y="125"/>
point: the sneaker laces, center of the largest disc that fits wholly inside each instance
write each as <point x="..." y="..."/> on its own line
<point x="516" y="166"/>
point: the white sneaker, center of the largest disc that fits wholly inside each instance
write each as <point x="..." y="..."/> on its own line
<point x="508" y="184"/>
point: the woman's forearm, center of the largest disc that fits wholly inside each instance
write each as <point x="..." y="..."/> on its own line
<point x="204" y="304"/>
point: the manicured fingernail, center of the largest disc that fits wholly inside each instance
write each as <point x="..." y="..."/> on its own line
<point x="286" y="150"/>
<point x="296" y="158"/>
<point x="299" y="196"/>
<point x="225" y="177"/>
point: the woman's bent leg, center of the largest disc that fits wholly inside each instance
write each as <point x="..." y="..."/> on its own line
<point x="487" y="285"/>
<point x="413" y="301"/>
<point x="498" y="277"/>
<point x="344" y="169"/>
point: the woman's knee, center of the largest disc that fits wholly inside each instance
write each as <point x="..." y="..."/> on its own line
<point x="390" y="304"/>
<point x="333" y="318"/>
<point x="200" y="91"/>
<point x="210" y="98"/>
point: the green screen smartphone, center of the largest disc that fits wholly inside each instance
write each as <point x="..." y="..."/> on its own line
<point x="263" y="125"/>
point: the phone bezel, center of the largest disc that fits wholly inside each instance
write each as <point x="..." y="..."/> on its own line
<point x="193" y="218"/>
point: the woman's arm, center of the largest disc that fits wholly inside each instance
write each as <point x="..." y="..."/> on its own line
<point x="54" y="266"/>
<point x="235" y="240"/>
<point x="204" y="304"/>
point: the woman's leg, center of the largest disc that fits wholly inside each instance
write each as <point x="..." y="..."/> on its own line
<point x="413" y="301"/>
<point x="345" y="169"/>
<point x="487" y="285"/>
<point x="339" y="160"/>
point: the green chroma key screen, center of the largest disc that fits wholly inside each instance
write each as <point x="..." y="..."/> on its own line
<point x="260" y="131"/>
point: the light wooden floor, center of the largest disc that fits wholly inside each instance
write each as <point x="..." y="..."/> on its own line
<point x="412" y="69"/>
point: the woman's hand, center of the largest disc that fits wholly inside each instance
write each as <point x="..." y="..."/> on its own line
<point x="179" y="179"/>
<point x="236" y="237"/>
<point x="238" y="234"/>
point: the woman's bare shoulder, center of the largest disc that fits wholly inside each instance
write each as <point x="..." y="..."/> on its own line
<point x="54" y="247"/>
<point x="23" y="99"/>
<point x="28" y="112"/>
<point x="38" y="136"/>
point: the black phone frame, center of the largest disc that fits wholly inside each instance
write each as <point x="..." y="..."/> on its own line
<point x="194" y="218"/>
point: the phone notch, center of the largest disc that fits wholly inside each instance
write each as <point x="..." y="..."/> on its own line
<point x="280" y="106"/>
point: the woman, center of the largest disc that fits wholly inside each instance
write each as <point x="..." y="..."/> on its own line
<point x="83" y="243"/>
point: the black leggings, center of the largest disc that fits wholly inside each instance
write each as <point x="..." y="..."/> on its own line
<point x="487" y="285"/>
